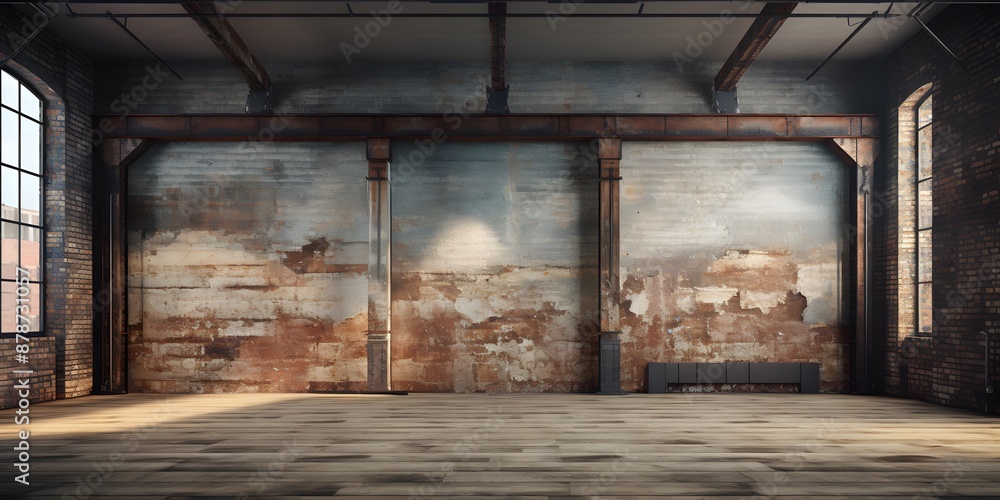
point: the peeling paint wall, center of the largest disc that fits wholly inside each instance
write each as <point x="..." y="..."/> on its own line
<point x="248" y="264"/>
<point x="733" y="252"/>
<point x="494" y="279"/>
<point x="248" y="267"/>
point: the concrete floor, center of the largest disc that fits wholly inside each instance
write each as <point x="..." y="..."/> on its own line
<point x="528" y="446"/>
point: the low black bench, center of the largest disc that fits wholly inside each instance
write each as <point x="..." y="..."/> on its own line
<point x="661" y="375"/>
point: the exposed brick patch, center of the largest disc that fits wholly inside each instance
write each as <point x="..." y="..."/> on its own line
<point x="42" y="363"/>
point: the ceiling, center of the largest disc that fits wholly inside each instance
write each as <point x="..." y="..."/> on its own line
<point x="455" y="39"/>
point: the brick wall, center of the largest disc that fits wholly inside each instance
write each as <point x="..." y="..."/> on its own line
<point x="41" y="381"/>
<point x="64" y="77"/>
<point x="947" y="367"/>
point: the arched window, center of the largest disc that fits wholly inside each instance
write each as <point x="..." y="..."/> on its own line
<point x="925" y="217"/>
<point x="21" y="144"/>
<point x="916" y="213"/>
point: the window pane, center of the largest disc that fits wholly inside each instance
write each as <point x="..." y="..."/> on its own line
<point x="8" y="254"/>
<point x="924" y="272"/>
<point x="31" y="252"/>
<point x="7" y="302"/>
<point x="35" y="307"/>
<point x="925" y="112"/>
<point x="30" y="105"/>
<point x="925" y="167"/>
<point x="8" y="89"/>
<point x="9" y="196"/>
<point x="925" y="205"/>
<point x="9" y="139"/>
<point x="925" y="308"/>
<point x="31" y="145"/>
<point x="31" y="197"/>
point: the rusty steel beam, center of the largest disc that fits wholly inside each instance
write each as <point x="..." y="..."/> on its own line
<point x="609" y="158"/>
<point x="224" y="36"/>
<point x="609" y="262"/>
<point x="498" y="91"/>
<point x="498" y="45"/>
<point x="486" y="127"/>
<point x="379" y="245"/>
<point x="861" y="153"/>
<point x="752" y="43"/>
<point x="111" y="262"/>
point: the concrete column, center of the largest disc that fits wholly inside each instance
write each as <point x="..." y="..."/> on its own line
<point x="609" y="357"/>
<point x="379" y="239"/>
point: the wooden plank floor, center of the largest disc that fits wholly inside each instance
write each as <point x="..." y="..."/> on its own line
<point x="527" y="446"/>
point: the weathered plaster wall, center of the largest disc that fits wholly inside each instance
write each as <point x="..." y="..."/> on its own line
<point x="494" y="282"/>
<point x="438" y="87"/>
<point x="732" y="252"/>
<point x="247" y="267"/>
<point x="248" y="264"/>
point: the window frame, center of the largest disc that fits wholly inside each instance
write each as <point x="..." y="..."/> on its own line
<point x="19" y="224"/>
<point x="923" y="279"/>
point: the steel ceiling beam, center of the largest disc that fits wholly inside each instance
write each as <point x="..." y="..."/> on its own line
<point x="519" y="15"/>
<point x="208" y="17"/>
<point x="498" y="45"/>
<point x="142" y="44"/>
<point x="773" y="15"/>
<point x="496" y="96"/>
<point x="487" y="1"/>
<point x="941" y="44"/>
<point x="489" y="127"/>
<point x="841" y="46"/>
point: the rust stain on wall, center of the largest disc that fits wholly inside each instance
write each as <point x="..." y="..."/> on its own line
<point x="491" y="332"/>
<point x="251" y="270"/>
<point x="494" y="283"/>
<point x="740" y="307"/>
<point x="253" y="278"/>
<point x="319" y="256"/>
<point x="733" y="252"/>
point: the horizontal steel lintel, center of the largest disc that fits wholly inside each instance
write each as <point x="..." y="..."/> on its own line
<point x="487" y="127"/>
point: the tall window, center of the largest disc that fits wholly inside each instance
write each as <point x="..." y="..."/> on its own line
<point x="925" y="217"/>
<point x="21" y="198"/>
<point x="916" y="214"/>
